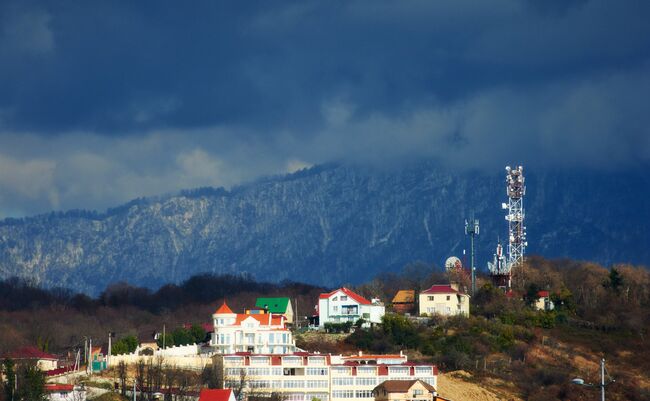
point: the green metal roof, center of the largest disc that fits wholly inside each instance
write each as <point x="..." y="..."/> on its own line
<point x="275" y="305"/>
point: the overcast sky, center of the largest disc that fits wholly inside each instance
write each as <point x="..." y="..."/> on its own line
<point x="102" y="102"/>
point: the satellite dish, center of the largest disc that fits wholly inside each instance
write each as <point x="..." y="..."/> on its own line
<point x="453" y="263"/>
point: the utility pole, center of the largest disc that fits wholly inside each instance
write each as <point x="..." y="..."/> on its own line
<point x="90" y="357"/>
<point x="111" y="334"/>
<point x="602" y="379"/>
<point x="472" y="229"/>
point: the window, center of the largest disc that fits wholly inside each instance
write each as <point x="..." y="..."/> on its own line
<point x="316" y="384"/>
<point x="342" y="394"/>
<point x="233" y="360"/>
<point x="335" y="299"/>
<point x="398" y="370"/>
<point x="294" y="383"/>
<point x="417" y="392"/>
<point x="366" y="381"/>
<point x="364" y="394"/>
<point x="342" y="381"/>
<point x="259" y="360"/>
<point x="448" y="298"/>
<point x="316" y="372"/>
<point x="276" y="371"/>
<point x="291" y="360"/>
<point x="259" y="384"/>
<point x="422" y="370"/>
<point x="366" y="370"/>
<point x="341" y="370"/>
<point x="317" y="361"/>
<point x="335" y="308"/>
<point x="430" y="298"/>
<point x="344" y="298"/>
<point x="258" y="371"/>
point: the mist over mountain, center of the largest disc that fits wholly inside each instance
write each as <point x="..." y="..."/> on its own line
<point x="329" y="225"/>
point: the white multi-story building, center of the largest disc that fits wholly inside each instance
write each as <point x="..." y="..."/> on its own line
<point x="344" y="305"/>
<point x="261" y="333"/>
<point x="303" y="376"/>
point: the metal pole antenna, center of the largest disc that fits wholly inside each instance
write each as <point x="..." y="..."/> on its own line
<point x="472" y="229"/>
<point x="602" y="379"/>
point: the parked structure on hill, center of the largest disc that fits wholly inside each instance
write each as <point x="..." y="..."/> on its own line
<point x="262" y="333"/>
<point x="344" y="305"/>
<point x="443" y="299"/>
<point x="303" y="376"/>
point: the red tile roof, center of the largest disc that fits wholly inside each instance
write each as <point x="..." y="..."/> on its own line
<point x="441" y="289"/>
<point x="51" y="387"/>
<point x="224" y="309"/>
<point x="276" y="320"/>
<point x="543" y="294"/>
<point x="402" y="386"/>
<point x="215" y="394"/>
<point x="29" y="353"/>
<point x="349" y="293"/>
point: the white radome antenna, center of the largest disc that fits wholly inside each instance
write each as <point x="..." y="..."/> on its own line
<point x="453" y="263"/>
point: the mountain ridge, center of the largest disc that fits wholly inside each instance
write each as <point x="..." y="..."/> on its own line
<point x="330" y="224"/>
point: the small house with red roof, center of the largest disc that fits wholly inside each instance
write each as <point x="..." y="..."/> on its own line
<point x="445" y="300"/>
<point x="544" y="301"/>
<point x="216" y="395"/>
<point x="43" y="360"/>
<point x="64" y="392"/>
<point x="260" y="333"/>
<point x="344" y="305"/>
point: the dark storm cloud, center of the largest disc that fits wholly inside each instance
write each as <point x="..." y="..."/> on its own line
<point x="101" y="102"/>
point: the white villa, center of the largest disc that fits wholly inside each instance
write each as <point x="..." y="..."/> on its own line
<point x="303" y="376"/>
<point x="260" y="333"/>
<point x="344" y="305"/>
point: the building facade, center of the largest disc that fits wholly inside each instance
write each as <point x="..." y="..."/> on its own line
<point x="344" y="305"/>
<point x="443" y="299"/>
<point x="404" y="390"/>
<point x="303" y="376"/>
<point x="261" y="333"/>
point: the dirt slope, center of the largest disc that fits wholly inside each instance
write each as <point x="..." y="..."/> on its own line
<point x="460" y="386"/>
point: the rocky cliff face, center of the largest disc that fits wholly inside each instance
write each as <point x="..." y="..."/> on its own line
<point x="327" y="225"/>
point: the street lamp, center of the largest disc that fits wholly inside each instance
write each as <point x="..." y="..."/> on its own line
<point x="579" y="381"/>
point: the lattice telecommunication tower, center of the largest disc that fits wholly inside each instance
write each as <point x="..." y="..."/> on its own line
<point x="501" y="268"/>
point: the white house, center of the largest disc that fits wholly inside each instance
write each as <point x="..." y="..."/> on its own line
<point x="64" y="392"/>
<point x="444" y="299"/>
<point x="261" y="333"/>
<point x="344" y="305"/>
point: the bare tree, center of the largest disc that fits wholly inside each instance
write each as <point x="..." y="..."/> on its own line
<point x="121" y="373"/>
<point x="212" y="375"/>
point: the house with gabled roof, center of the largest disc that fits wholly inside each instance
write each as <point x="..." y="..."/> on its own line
<point x="30" y="354"/>
<point x="209" y="394"/>
<point x="250" y="332"/>
<point x="279" y="306"/>
<point x="404" y="301"/>
<point x="443" y="299"/>
<point x="344" y="305"/>
<point x="404" y="390"/>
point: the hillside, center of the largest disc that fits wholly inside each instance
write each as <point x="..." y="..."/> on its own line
<point x="327" y="225"/>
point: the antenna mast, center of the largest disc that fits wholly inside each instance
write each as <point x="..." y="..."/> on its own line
<point x="501" y="268"/>
<point x="472" y="229"/>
